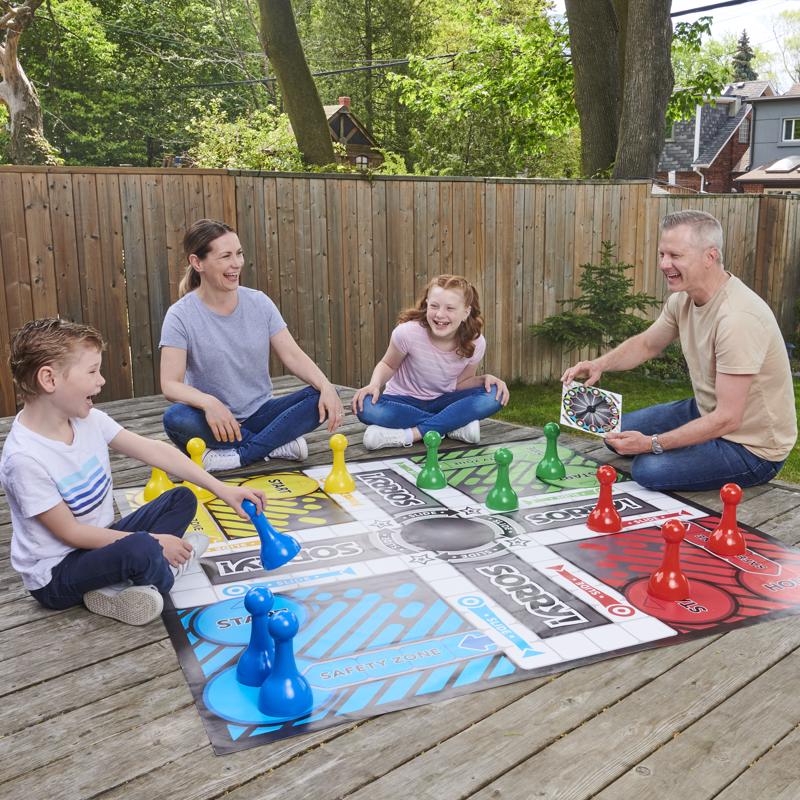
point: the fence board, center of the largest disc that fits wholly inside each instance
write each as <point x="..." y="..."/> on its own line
<point x="338" y="341"/>
<point x="40" y="244"/>
<point x="304" y="277"/>
<point x="65" y="250"/>
<point x="341" y="255"/>
<point x="157" y="260"/>
<point x="319" y="266"/>
<point x="366" y="281"/>
<point x="119" y="370"/>
<point x="136" y="282"/>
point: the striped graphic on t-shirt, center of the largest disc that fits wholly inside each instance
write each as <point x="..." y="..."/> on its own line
<point x="85" y="489"/>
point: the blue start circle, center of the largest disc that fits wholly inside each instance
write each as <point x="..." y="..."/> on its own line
<point x="228" y="622"/>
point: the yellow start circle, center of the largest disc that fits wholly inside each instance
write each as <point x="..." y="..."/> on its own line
<point x="281" y="485"/>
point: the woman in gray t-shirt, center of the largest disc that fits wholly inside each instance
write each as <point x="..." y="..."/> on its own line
<point x="215" y="346"/>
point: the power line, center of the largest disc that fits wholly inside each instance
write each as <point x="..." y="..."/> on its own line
<point x="688" y="11"/>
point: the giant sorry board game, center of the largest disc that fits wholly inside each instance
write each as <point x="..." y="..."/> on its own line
<point x="406" y="597"/>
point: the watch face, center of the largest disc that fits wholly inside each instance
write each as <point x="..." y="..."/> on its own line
<point x="655" y="446"/>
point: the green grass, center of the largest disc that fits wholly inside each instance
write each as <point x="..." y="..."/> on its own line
<point x="538" y="404"/>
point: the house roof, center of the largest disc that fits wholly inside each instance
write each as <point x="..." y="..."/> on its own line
<point x="710" y="148"/>
<point x="716" y="127"/>
<point x="761" y="174"/>
<point x="746" y="90"/>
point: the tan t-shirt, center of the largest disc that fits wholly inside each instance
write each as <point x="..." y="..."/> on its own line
<point x="736" y="333"/>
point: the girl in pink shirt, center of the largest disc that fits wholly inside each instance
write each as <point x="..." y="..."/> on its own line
<point x="429" y="372"/>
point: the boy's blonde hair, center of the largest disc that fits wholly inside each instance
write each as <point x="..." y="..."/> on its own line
<point x="46" y="342"/>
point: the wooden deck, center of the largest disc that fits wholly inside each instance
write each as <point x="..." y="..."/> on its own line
<point x="95" y="709"/>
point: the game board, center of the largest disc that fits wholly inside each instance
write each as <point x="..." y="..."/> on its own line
<point x="406" y="597"/>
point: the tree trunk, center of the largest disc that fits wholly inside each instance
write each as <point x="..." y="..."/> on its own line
<point x="300" y="97"/>
<point x="648" y="82"/>
<point x="594" y="41"/>
<point x="17" y="93"/>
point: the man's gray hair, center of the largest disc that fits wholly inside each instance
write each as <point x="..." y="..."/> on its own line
<point x="706" y="230"/>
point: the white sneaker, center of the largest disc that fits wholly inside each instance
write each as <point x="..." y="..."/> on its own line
<point x="376" y="436"/>
<point x="218" y="460"/>
<point x="296" y="450"/>
<point x="471" y="434"/>
<point x="134" y="605"/>
<point x="199" y="542"/>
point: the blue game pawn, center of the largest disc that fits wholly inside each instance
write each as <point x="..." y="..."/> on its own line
<point x="285" y="693"/>
<point x="276" y="548"/>
<point x="257" y="659"/>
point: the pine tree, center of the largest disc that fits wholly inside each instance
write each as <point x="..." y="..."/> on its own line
<point x="742" y="60"/>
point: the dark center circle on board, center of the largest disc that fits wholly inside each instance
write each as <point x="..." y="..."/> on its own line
<point x="447" y="533"/>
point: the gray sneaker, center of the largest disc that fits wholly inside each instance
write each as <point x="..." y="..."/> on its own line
<point x="296" y="450"/>
<point x="219" y="460"/>
<point x="134" y="605"/>
<point x="471" y="433"/>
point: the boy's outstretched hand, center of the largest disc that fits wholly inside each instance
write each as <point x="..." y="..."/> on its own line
<point x="234" y="496"/>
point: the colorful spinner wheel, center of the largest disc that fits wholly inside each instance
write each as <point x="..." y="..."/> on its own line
<point x="591" y="409"/>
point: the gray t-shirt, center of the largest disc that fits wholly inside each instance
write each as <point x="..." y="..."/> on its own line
<point x="226" y="356"/>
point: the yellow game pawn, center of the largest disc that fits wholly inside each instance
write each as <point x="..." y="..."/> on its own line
<point x="157" y="485"/>
<point x="196" y="447"/>
<point x="339" y="481"/>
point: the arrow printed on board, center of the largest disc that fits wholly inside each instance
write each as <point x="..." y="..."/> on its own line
<point x="477" y="605"/>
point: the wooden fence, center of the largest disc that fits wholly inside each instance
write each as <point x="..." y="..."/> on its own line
<point x="341" y="255"/>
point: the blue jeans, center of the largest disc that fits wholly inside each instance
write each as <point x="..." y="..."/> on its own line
<point x="709" y="465"/>
<point x="276" y="422"/>
<point x="442" y="414"/>
<point x="137" y="558"/>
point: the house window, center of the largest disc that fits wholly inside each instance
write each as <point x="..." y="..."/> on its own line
<point x="669" y="133"/>
<point x="791" y="130"/>
<point x="744" y="131"/>
<point x="362" y="162"/>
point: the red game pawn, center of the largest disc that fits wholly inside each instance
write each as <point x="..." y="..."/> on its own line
<point x="668" y="582"/>
<point x="727" y="539"/>
<point x="604" y="518"/>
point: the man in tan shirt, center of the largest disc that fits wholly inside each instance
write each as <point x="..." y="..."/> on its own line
<point x="741" y="424"/>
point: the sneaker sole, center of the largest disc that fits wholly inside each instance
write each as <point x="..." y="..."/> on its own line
<point x="130" y="607"/>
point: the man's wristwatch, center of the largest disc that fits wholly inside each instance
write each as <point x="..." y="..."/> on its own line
<point x="655" y="445"/>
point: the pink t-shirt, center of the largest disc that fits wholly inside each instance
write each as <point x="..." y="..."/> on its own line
<point x="427" y="372"/>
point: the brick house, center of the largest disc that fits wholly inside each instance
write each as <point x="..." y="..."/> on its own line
<point x="773" y="164"/>
<point x="707" y="152"/>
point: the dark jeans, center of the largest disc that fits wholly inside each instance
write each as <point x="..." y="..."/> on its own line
<point x="137" y="558"/>
<point x="442" y="414"/>
<point x="276" y="422"/>
<point x="709" y="465"/>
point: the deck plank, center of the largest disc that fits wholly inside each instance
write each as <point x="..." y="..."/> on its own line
<point x="104" y="709"/>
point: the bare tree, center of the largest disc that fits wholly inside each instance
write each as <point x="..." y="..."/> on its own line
<point x="28" y="143"/>
<point x="621" y="54"/>
<point x="300" y="97"/>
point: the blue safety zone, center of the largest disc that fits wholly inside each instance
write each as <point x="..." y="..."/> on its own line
<point x="366" y="647"/>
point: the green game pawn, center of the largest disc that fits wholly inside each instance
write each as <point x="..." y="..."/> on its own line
<point x="551" y="468"/>
<point x="431" y="475"/>
<point x="502" y="497"/>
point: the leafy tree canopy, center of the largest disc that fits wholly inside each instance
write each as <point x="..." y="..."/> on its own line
<point x="502" y="106"/>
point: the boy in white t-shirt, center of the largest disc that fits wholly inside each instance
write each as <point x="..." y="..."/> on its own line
<point x="56" y="473"/>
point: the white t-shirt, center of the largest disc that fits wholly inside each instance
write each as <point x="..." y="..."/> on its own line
<point x="37" y="473"/>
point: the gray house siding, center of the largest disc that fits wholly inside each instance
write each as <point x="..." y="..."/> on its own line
<point x="768" y="144"/>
